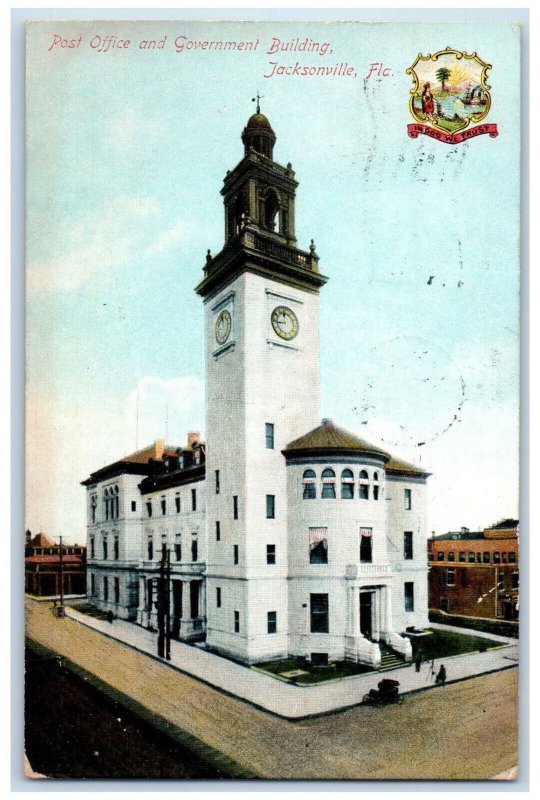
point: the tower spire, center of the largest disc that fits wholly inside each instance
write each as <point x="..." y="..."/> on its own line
<point x="258" y="97"/>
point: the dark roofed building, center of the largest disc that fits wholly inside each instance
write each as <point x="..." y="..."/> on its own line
<point x="45" y="563"/>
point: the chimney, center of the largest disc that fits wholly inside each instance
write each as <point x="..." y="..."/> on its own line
<point x="159" y="447"/>
<point x="193" y="438"/>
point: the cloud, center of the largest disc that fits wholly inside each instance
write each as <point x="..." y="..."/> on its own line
<point x="95" y="248"/>
<point x="127" y="129"/>
<point x="66" y="441"/>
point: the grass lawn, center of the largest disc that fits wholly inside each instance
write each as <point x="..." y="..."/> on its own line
<point x="337" y="669"/>
<point x="440" y="644"/>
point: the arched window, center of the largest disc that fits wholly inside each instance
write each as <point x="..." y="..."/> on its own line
<point x="308" y="480"/>
<point x="347" y="484"/>
<point x="328" y="484"/>
<point x="364" y="485"/>
<point x="106" y="503"/>
<point x="115" y="504"/>
<point x="271" y="209"/>
<point x="375" y="485"/>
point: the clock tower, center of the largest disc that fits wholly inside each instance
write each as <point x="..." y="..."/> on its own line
<point x="261" y="295"/>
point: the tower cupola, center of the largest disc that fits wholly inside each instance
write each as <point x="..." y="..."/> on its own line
<point x="259" y="136"/>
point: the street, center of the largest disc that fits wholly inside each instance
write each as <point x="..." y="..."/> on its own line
<point x="466" y="730"/>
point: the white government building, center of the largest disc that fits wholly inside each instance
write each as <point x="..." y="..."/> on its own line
<point x="287" y="536"/>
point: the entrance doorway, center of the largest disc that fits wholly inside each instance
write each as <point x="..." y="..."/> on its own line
<point x="366" y="614"/>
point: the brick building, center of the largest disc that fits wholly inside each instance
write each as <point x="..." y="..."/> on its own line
<point x="476" y="573"/>
<point x="44" y="565"/>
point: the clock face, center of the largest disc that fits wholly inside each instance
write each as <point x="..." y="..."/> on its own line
<point x="284" y="322"/>
<point x="223" y="327"/>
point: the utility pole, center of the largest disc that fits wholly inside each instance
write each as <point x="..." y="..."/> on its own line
<point x="163" y="603"/>
<point x="59" y="610"/>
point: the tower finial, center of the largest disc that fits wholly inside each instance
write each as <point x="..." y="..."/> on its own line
<point x="258" y="97"/>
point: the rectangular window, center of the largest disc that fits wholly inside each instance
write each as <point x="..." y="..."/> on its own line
<point x="500" y="580"/>
<point x="218" y="531"/>
<point x="450" y="577"/>
<point x="235" y="553"/>
<point x="375" y="492"/>
<point x="462" y="557"/>
<point x="503" y="558"/>
<point x="511" y="558"/>
<point x="116" y="548"/>
<point x="134" y="505"/>
<point x="515" y="580"/>
<point x="496" y="558"/>
<point x="270" y="506"/>
<point x="194" y="547"/>
<point x="485" y="557"/>
<point x="409" y="595"/>
<point x="149" y="507"/>
<point x="105" y="588"/>
<point x="271" y="623"/>
<point x="105" y="549"/>
<point x="218" y="597"/>
<point x="149" y="594"/>
<point x="194" y="499"/>
<point x="117" y="590"/>
<point x="408" y="545"/>
<point x="217" y="480"/>
<point x="235" y="506"/>
<point x="163" y="506"/>
<point x="479" y="558"/>
<point x="177" y="503"/>
<point x="92" y="584"/>
<point x="269" y="435"/>
<point x="270" y="554"/>
<point x="318" y="545"/>
<point x="150" y="549"/>
<point x="440" y="556"/>
<point x="444" y="604"/>
<point x="318" y="613"/>
<point x="237" y="622"/>
<point x="364" y="491"/>
<point x="366" y="545"/>
<point x="471" y="558"/>
<point x="178" y="551"/>
<point x="407" y="497"/>
<point x="92" y="547"/>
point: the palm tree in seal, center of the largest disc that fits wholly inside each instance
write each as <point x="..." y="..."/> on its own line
<point x="442" y="75"/>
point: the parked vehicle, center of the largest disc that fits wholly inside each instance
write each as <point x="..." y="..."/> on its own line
<point x="388" y="692"/>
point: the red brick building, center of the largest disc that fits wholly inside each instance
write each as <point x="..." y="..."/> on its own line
<point x="44" y="564"/>
<point x="476" y="573"/>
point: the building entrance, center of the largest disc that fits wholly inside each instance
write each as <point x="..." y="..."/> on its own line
<point x="366" y="614"/>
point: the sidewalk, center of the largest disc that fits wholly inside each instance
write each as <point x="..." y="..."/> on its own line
<point x="297" y="702"/>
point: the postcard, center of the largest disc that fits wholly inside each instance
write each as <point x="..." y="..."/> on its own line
<point x="272" y="400"/>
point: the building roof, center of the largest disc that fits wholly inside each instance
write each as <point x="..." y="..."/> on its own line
<point x="40" y="540"/>
<point x="73" y="559"/>
<point x="505" y="525"/>
<point x="328" y="438"/>
<point x="258" y="121"/>
<point x="398" y="467"/>
<point x="138" y="463"/>
<point x="459" y="535"/>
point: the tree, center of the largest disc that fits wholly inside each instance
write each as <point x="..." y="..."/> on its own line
<point x="442" y="75"/>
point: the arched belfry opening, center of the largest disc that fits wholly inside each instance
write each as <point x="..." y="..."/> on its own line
<point x="269" y="210"/>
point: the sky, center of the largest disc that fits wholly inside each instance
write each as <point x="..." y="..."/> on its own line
<point x="127" y="149"/>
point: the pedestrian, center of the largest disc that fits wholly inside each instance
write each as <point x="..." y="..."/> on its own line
<point x="418" y="661"/>
<point x="110" y="616"/>
<point x="441" y="676"/>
